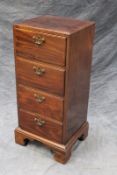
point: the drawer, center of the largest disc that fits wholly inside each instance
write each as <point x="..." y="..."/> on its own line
<point x="40" y="102"/>
<point x="38" y="125"/>
<point x="40" y="46"/>
<point x="43" y="76"/>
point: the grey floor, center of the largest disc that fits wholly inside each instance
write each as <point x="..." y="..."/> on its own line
<point x="98" y="154"/>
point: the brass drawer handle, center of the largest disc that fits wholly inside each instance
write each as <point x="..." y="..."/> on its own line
<point x="39" y="122"/>
<point x="38" y="40"/>
<point x="38" y="70"/>
<point x="39" y="98"/>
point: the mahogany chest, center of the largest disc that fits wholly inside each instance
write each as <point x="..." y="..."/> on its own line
<point x="53" y="61"/>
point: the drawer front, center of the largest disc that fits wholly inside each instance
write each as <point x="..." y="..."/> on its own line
<point x="40" y="126"/>
<point x="42" y="47"/>
<point x="42" y="76"/>
<point x="40" y="102"/>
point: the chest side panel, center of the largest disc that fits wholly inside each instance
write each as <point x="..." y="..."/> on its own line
<point x="79" y="56"/>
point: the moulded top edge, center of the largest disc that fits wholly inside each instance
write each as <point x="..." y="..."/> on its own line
<point x="54" y="24"/>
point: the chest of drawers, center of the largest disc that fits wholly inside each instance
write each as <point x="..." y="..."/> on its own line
<point x="53" y="61"/>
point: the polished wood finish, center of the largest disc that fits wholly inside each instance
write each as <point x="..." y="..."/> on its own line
<point x="78" y="67"/>
<point x="51" y="51"/>
<point x="55" y="25"/>
<point x="51" y="106"/>
<point x="50" y="130"/>
<point x="61" y="151"/>
<point x="53" y="61"/>
<point x="51" y="81"/>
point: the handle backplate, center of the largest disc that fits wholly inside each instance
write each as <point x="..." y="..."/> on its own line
<point x="38" y="70"/>
<point x="39" y="122"/>
<point x="39" y="98"/>
<point x="38" y="40"/>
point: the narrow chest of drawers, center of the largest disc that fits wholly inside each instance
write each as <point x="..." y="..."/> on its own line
<point x="53" y="61"/>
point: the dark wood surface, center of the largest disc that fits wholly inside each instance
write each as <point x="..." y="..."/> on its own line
<point x="51" y="130"/>
<point x="78" y="66"/>
<point x="54" y="24"/>
<point x="51" y="51"/>
<point x="51" y="107"/>
<point x="51" y="81"/>
<point x="62" y="152"/>
<point x="65" y="58"/>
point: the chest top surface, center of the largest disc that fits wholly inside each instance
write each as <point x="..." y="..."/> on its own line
<point x="57" y="24"/>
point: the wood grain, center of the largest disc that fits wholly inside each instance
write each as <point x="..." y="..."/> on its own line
<point x="51" y="51"/>
<point x="51" y="81"/>
<point x="57" y="25"/>
<point x="62" y="152"/>
<point x="65" y="57"/>
<point x="51" y="130"/>
<point x="77" y="82"/>
<point x="51" y="107"/>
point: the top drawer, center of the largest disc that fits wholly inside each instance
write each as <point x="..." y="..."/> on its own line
<point x="40" y="46"/>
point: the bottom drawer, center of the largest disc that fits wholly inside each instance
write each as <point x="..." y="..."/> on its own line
<point x="36" y="124"/>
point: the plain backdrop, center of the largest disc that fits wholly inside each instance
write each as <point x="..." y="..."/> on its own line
<point x="98" y="154"/>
